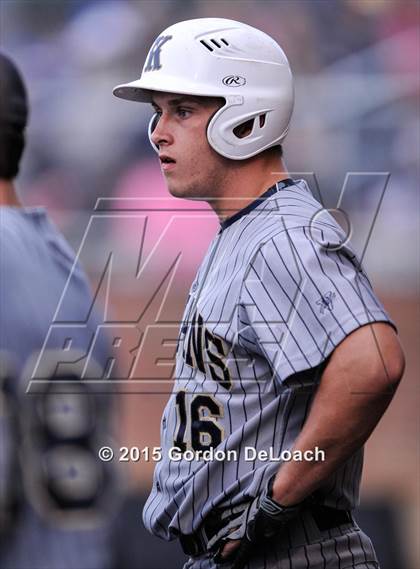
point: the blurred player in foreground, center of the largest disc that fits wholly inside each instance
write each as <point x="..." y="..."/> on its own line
<point x="284" y="349"/>
<point x="53" y="486"/>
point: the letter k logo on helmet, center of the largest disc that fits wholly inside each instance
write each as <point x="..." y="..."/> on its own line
<point x="153" y="59"/>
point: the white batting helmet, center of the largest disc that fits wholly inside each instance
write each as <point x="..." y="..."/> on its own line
<point x="215" y="57"/>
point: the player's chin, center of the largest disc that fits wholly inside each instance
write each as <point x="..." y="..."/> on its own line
<point x="178" y="190"/>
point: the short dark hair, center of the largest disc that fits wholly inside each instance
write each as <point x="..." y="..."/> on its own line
<point x="13" y="117"/>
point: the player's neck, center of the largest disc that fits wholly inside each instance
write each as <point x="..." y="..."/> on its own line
<point x="248" y="182"/>
<point x="8" y="195"/>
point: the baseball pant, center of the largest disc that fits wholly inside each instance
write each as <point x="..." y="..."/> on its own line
<point x="343" y="547"/>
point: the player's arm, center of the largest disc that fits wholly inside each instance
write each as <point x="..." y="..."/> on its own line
<point x="363" y="370"/>
<point x="355" y="389"/>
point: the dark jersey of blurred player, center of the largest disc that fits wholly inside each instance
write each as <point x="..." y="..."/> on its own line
<point x="35" y="264"/>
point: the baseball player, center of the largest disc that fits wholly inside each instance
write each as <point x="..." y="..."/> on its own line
<point x="57" y="470"/>
<point x="284" y="350"/>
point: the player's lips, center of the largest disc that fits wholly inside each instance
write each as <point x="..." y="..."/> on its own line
<point x="166" y="162"/>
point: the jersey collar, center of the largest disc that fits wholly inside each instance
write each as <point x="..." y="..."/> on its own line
<point x="274" y="189"/>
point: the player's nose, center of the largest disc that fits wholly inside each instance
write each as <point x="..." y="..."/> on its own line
<point x="160" y="132"/>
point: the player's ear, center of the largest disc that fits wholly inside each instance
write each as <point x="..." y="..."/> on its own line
<point x="153" y="123"/>
<point x="242" y="130"/>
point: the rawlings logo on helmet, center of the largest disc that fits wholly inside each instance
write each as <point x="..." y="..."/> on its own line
<point x="234" y="81"/>
<point x="153" y="59"/>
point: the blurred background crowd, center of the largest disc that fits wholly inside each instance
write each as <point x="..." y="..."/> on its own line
<point x="357" y="70"/>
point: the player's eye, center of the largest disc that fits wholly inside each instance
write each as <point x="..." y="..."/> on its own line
<point x="156" y="109"/>
<point x="183" y="112"/>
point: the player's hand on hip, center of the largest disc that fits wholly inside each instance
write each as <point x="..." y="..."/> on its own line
<point x="261" y="520"/>
<point x="227" y="550"/>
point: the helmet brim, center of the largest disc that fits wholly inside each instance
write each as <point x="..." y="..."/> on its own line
<point x="142" y="92"/>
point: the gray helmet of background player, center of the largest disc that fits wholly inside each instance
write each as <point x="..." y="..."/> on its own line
<point x="14" y="113"/>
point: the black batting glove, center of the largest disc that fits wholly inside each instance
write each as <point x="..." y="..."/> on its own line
<point x="268" y="521"/>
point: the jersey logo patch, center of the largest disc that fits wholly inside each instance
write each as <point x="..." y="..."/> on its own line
<point x="326" y="302"/>
<point x="207" y="352"/>
<point x="153" y="59"/>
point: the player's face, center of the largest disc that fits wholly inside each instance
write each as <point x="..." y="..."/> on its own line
<point x="192" y="169"/>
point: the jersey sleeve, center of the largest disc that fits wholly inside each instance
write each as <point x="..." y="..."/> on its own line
<point x="301" y="297"/>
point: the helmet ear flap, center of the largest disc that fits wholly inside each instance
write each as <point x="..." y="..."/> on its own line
<point x="152" y="125"/>
<point x="240" y="133"/>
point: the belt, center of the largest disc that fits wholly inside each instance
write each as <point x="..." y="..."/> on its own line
<point x="327" y="518"/>
<point x="195" y="544"/>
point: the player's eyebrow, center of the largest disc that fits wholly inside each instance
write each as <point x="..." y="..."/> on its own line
<point x="179" y="100"/>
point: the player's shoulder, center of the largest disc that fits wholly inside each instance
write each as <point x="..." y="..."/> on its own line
<point x="296" y="198"/>
<point x="12" y="232"/>
<point x="30" y="238"/>
<point x="303" y="231"/>
<point x="296" y="216"/>
<point x="295" y="206"/>
<point x="20" y="225"/>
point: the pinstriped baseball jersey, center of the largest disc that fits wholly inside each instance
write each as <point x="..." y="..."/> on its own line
<point x="278" y="290"/>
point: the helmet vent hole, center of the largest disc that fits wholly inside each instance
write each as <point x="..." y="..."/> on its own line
<point x="206" y="45"/>
<point x="262" y="120"/>
<point x="244" y="129"/>
<point x="212" y="43"/>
